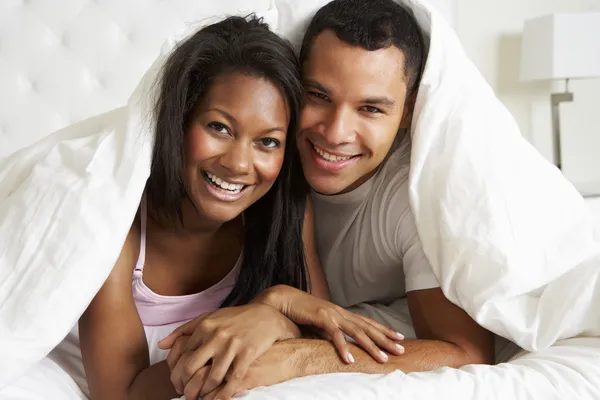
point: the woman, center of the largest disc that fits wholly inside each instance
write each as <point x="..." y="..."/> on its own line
<point x="223" y="215"/>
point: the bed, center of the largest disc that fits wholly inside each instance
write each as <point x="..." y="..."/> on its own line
<point x="66" y="60"/>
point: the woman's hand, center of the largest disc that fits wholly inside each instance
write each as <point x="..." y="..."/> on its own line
<point x="231" y="339"/>
<point x="334" y="321"/>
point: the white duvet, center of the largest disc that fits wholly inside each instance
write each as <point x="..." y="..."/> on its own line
<point x="509" y="239"/>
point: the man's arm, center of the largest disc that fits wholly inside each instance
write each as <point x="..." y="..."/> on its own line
<point x="297" y="358"/>
<point x="447" y="337"/>
<point x="436" y="319"/>
<point x="316" y="356"/>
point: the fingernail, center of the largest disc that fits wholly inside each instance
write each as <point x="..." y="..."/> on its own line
<point x="383" y="355"/>
<point x="400" y="348"/>
<point x="350" y="358"/>
<point x="400" y="336"/>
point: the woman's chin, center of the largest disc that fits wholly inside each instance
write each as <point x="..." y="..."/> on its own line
<point x="221" y="213"/>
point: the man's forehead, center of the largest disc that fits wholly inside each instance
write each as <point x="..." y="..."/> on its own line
<point x="340" y="66"/>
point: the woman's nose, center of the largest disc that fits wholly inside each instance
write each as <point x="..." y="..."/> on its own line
<point x="237" y="158"/>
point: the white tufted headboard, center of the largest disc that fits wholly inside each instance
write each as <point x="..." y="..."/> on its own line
<point x="62" y="61"/>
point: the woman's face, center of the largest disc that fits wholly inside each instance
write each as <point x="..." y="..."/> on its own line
<point x="235" y="145"/>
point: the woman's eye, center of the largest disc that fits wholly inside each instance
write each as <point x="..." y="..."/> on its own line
<point x="371" y="109"/>
<point x="219" y="127"/>
<point x="270" y="143"/>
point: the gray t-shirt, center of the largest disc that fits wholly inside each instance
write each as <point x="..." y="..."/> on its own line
<point x="369" y="246"/>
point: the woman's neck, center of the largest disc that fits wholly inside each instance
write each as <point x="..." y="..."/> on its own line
<point x="191" y="257"/>
<point x="196" y="224"/>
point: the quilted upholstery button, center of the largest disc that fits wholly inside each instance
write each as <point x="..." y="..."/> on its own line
<point x="24" y="84"/>
<point x="65" y="40"/>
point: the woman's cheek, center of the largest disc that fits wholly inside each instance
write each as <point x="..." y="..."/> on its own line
<point x="201" y="145"/>
<point x="270" y="166"/>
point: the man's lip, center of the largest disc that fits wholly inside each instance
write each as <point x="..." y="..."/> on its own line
<point x="333" y="153"/>
<point x="330" y="166"/>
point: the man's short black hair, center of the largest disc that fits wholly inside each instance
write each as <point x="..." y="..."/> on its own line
<point x="372" y="25"/>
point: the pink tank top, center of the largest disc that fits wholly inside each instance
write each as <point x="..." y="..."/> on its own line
<point x="158" y="310"/>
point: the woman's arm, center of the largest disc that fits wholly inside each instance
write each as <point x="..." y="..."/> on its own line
<point x="113" y="342"/>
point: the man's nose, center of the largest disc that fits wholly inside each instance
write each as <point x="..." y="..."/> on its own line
<point x="339" y="127"/>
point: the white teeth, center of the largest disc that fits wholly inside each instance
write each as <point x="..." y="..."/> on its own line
<point x="232" y="187"/>
<point x="330" y="157"/>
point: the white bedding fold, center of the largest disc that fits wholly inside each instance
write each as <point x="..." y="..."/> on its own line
<point x="509" y="238"/>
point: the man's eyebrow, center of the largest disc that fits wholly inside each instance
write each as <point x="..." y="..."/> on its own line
<point x="379" y="101"/>
<point x="374" y="100"/>
<point x="316" y="85"/>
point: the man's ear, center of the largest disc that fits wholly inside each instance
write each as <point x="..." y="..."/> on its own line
<point x="409" y="108"/>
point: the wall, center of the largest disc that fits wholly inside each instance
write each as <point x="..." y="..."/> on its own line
<point x="490" y="31"/>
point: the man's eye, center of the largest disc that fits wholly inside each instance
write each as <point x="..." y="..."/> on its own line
<point x="270" y="143"/>
<point x="219" y="127"/>
<point x="371" y="109"/>
<point x="318" y="95"/>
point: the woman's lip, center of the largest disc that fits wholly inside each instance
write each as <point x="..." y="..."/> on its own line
<point x="223" y="195"/>
<point x="226" y="180"/>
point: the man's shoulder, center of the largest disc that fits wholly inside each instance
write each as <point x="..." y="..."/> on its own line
<point x="392" y="187"/>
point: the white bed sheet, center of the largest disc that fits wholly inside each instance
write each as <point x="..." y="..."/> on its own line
<point x="569" y="370"/>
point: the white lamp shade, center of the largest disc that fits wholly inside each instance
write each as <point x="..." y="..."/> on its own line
<point x="561" y="46"/>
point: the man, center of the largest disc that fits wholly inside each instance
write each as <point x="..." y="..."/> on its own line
<point x="361" y="64"/>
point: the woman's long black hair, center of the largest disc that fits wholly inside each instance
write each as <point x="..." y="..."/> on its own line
<point x="273" y="247"/>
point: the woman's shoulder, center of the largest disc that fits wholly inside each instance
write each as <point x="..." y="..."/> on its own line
<point x="130" y="251"/>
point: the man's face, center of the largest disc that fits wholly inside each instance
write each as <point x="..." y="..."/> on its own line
<point x="354" y="105"/>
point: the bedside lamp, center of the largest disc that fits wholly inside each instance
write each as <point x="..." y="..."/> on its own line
<point x="561" y="47"/>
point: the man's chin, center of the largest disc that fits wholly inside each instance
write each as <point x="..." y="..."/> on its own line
<point x="327" y="187"/>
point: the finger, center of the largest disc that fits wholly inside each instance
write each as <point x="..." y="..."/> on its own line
<point x="196" y="361"/>
<point x="380" y="339"/>
<point x="175" y="353"/>
<point x="389" y="332"/>
<point x="235" y="381"/>
<point x="361" y="338"/>
<point x="192" y="388"/>
<point x="213" y="395"/>
<point x="185" y="329"/>
<point x="337" y="337"/>
<point x="177" y="373"/>
<point x="203" y="332"/>
<point x="168" y="342"/>
<point x="218" y="370"/>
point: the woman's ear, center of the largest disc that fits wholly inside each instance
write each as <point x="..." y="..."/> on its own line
<point x="409" y="108"/>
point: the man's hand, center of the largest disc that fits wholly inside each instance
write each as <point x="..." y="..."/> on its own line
<point x="284" y="361"/>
